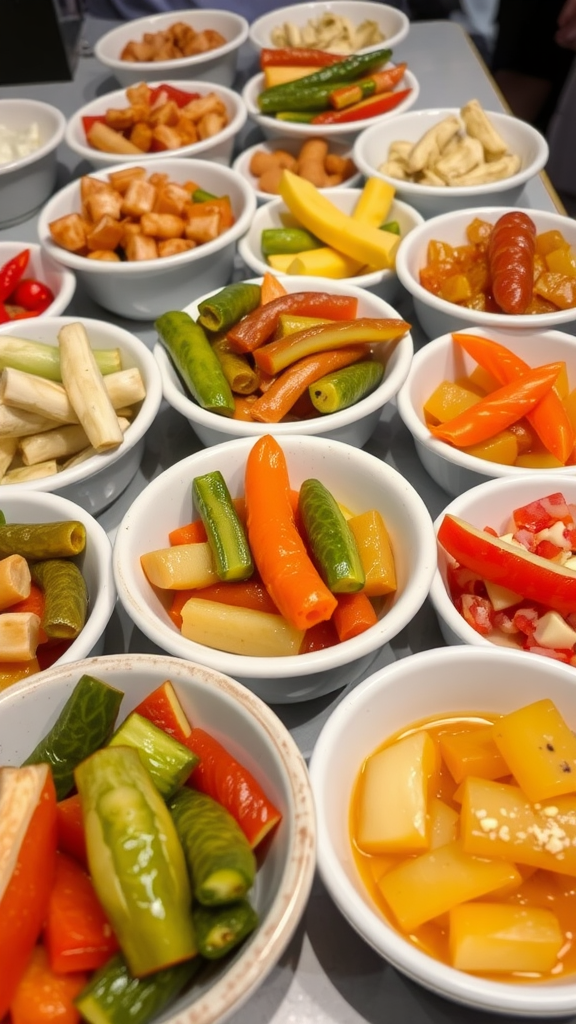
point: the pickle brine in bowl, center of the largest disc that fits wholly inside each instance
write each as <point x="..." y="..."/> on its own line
<point x="348" y="385"/>
<point x="56" y="584"/>
<point x="180" y="964"/>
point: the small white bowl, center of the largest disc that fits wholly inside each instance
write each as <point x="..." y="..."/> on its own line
<point x="26" y="183"/>
<point x="431" y="683"/>
<point x="293" y="146"/>
<point x="393" y="24"/>
<point x="347" y="132"/>
<point x="442" y="359"/>
<point x="256" y="737"/>
<point x="145" y="289"/>
<point x="22" y="505"/>
<point x="436" y="315"/>
<point x="217" y="66"/>
<point x="359" y="481"/>
<point x="489" y="504"/>
<point x="354" y="425"/>
<point x="371" y="150"/>
<point x="383" y="283"/>
<point x="97" y="482"/>
<point x="216" y="148"/>
<point x="41" y="266"/>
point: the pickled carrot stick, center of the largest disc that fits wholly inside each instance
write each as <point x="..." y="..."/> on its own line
<point x="271" y="288"/>
<point x="278" y="550"/>
<point x="499" y="409"/>
<point x="549" y="418"/>
<point x="278" y="400"/>
<point x="354" y="614"/>
<point x="192" y="533"/>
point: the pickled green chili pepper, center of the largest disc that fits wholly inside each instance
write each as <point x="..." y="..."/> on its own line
<point x="229" y="305"/>
<point x="195" y="361"/>
<point x="114" y="996"/>
<point x="221" y="929"/>
<point x="43" y="540"/>
<point x="345" y="387"/>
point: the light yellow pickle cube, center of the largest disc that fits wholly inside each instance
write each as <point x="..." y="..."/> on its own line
<point x="539" y="748"/>
<point x="502" y="937"/>
<point x="393" y="809"/>
<point x="472" y="752"/>
<point x="444" y="822"/>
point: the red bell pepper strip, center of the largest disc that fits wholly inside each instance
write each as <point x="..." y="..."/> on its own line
<point x="378" y="82"/>
<point x="70" y="828"/>
<point x="549" y="417"/>
<point x="511" y="249"/>
<point x="499" y="409"/>
<point x="296" y="57"/>
<point x="12" y="272"/>
<point x="528" y="574"/>
<point x="162" y="708"/>
<point x="371" y="107"/>
<point x="229" y="782"/>
<point x="77" y="933"/>
<point x="27" y="866"/>
<point x="44" y="997"/>
<point x="259" y="325"/>
<point x="171" y="92"/>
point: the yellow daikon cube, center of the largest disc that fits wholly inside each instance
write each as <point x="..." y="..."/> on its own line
<point x="443" y="823"/>
<point x="392" y="813"/>
<point x="473" y="752"/>
<point x="539" y="748"/>
<point x="503" y="937"/>
<point x="503" y="447"/>
<point x="447" y="401"/>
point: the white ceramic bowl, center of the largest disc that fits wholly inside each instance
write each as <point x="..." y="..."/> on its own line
<point x="371" y="150"/>
<point x="217" y="66"/>
<point x="436" y="315"/>
<point x="354" y="425"/>
<point x="216" y="148"/>
<point x="393" y="24"/>
<point x="431" y="683"/>
<point x="383" y="283"/>
<point x="145" y="289"/>
<point x="348" y="131"/>
<point x="293" y="146"/>
<point x="41" y="266"/>
<point x="442" y="359"/>
<point x="489" y="504"/>
<point x="21" y="505"/>
<point x="26" y="183"/>
<point x="254" y="735"/>
<point x="97" y="482"/>
<point x="358" y="480"/>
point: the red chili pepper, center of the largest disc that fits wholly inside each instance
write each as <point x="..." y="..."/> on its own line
<point x="11" y="273"/>
<point x="372" y="107"/>
<point x="171" y="92"/>
<point x="33" y="295"/>
<point x="511" y="261"/>
<point x="297" y="57"/>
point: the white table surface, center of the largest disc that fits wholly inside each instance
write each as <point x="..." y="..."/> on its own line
<point x="328" y="975"/>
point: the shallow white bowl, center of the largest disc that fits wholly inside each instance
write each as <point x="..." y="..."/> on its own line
<point x="26" y="183"/>
<point x="437" y="316"/>
<point x="371" y="150"/>
<point x="383" y="283"/>
<point x="21" y="505"/>
<point x="489" y="504"/>
<point x="354" y="425"/>
<point x="41" y="266"/>
<point x="144" y="290"/>
<point x="393" y="23"/>
<point x="435" y="682"/>
<point x="272" y="128"/>
<point x="217" y="66"/>
<point x="254" y="735"/>
<point x="290" y="145"/>
<point x="97" y="482"/>
<point x="442" y="359"/>
<point x="217" y="148"/>
<point x="358" y="480"/>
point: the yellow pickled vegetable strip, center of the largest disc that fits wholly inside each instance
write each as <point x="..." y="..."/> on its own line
<point x="375" y="550"/>
<point x="181" y="567"/>
<point x="239" y="630"/>
<point x="500" y="937"/>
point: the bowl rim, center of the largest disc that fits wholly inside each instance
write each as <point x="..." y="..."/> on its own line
<point x="151" y="21"/>
<point x="269" y="942"/>
<point x="532" y="1000"/>
<point x="431" y="114"/>
<point x="47" y="147"/>
<point x="159" y="265"/>
<point x="175" y="396"/>
<point x="236" y="123"/>
<point x="395" y="618"/>
<point x="441" y="449"/>
<point x="350" y="128"/>
<point x="135" y="432"/>
<point x="258" y="25"/>
<point x="412" y="243"/>
<point x="66" y="278"/>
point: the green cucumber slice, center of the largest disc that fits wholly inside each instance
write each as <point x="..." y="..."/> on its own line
<point x="330" y="538"/>
<point x="236" y="300"/>
<point x="279" y="241"/>
<point x="345" y="387"/>
<point x="221" y="929"/>
<point x="65" y="597"/>
<point x="226" y="536"/>
<point x="168" y="762"/>
<point x="196" y="362"/>
<point x="113" y="996"/>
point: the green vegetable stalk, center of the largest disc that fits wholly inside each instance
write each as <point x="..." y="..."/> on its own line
<point x="195" y="361"/>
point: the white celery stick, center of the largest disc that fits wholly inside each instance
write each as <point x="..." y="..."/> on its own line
<point x="85" y="387"/>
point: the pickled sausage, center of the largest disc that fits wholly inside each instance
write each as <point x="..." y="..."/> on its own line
<point x="511" y="252"/>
